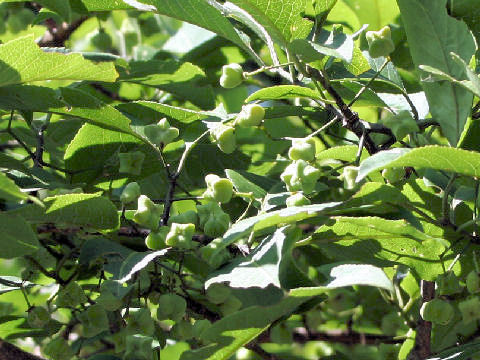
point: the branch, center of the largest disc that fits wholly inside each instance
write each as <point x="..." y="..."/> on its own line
<point x="57" y="35"/>
<point x="11" y="352"/>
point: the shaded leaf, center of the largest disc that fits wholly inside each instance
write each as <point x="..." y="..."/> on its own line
<point x="17" y="237"/>
<point x="283" y="92"/>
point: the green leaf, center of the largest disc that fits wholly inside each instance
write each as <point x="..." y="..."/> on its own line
<point x="433" y="157"/>
<point x="9" y="190"/>
<point x="348" y="241"/>
<point x="21" y="61"/>
<point x="90" y="210"/>
<point x="271" y="263"/>
<point x="338" y="45"/>
<point x="64" y="101"/>
<point x="469" y="12"/>
<point x="462" y="352"/>
<point x="61" y="7"/>
<point x="376" y="13"/>
<point x="440" y="34"/>
<point x="282" y="20"/>
<point x="17" y="238"/>
<point x="244" y="185"/>
<point x="283" y="92"/>
<point x="158" y="110"/>
<point x="179" y="78"/>
<point x="233" y="331"/>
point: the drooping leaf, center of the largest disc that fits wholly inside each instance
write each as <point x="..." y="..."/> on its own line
<point x="9" y="190"/>
<point x="64" y="101"/>
<point x="270" y="264"/>
<point x="17" y="237"/>
<point x="440" y="34"/>
<point x="89" y="210"/>
<point x="433" y="157"/>
<point x="21" y="61"/>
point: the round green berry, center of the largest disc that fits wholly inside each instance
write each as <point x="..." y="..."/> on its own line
<point x="302" y="149"/>
<point x="251" y="115"/>
<point x="232" y="76"/>
<point x="437" y="311"/>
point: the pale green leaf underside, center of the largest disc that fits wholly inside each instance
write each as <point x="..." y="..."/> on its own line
<point x="431" y="41"/>
<point x="21" y="61"/>
<point x="463" y="352"/>
<point x="458" y="161"/>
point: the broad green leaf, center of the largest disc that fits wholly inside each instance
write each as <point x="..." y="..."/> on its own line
<point x="158" y="110"/>
<point x="22" y="61"/>
<point x="330" y="43"/>
<point x="469" y="12"/>
<point x="440" y="34"/>
<point x="233" y="331"/>
<point x="359" y="64"/>
<point x="283" y="92"/>
<point x="342" y="152"/>
<point x="11" y="283"/>
<point x="282" y="20"/>
<point x="89" y="210"/>
<point x="459" y="161"/>
<point x="17" y="237"/>
<point x="349" y="241"/>
<point x="271" y="263"/>
<point x="376" y="13"/>
<point x="244" y="185"/>
<point x="65" y="101"/>
<point x="462" y="352"/>
<point x="197" y="12"/>
<point x="284" y="216"/>
<point x="100" y="5"/>
<point x="178" y="78"/>
<point x="9" y="190"/>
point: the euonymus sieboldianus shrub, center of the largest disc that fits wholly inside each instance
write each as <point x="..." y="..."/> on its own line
<point x="238" y="180"/>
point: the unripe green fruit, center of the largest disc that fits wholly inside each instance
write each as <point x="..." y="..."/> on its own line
<point x="393" y="175"/>
<point x="131" y="162"/>
<point x="214" y="253"/>
<point x="225" y="138"/>
<point x="470" y="309"/>
<point x="182" y="330"/>
<point x="300" y="176"/>
<point x="38" y="317"/>
<point x="130" y="193"/>
<point x="380" y="42"/>
<point x="213" y="219"/>
<point x="138" y="347"/>
<point x="155" y="240"/>
<point x="162" y="133"/>
<point x="297" y="199"/>
<point x="140" y="322"/>
<point x="437" y="311"/>
<point x="187" y="217"/>
<point x="244" y="354"/>
<point x="71" y="296"/>
<point x="302" y="149"/>
<point x="219" y="189"/>
<point x="349" y="176"/>
<point x="251" y="115"/>
<point x="58" y="349"/>
<point x="148" y="214"/>
<point x="232" y="76"/>
<point x="231" y="305"/>
<point x="171" y="306"/>
<point x="217" y="293"/>
<point x="473" y="282"/>
<point x="102" y="41"/>
<point x="180" y="235"/>
<point x="448" y="284"/>
<point x="199" y="327"/>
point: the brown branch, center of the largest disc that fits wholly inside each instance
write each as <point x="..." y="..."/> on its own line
<point x="301" y="336"/>
<point x="421" y="349"/>
<point x="11" y="352"/>
<point x="57" y="35"/>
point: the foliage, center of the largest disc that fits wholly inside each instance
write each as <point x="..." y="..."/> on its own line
<point x="241" y="179"/>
